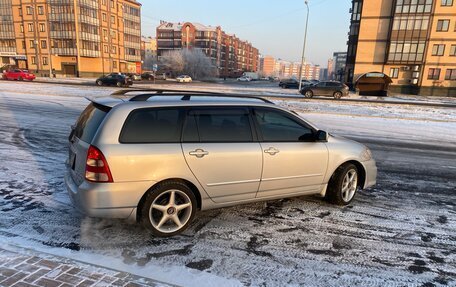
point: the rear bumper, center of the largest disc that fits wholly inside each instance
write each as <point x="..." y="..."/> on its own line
<point x="106" y="200"/>
<point x="371" y="173"/>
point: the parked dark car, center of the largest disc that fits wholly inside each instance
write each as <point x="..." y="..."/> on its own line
<point x="147" y="76"/>
<point x="292" y="83"/>
<point x="327" y="89"/>
<point x="116" y="79"/>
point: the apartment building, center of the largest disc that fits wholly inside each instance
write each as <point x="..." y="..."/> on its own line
<point x="412" y="41"/>
<point x="71" y="37"/>
<point x="268" y="66"/>
<point x="227" y="52"/>
<point x="148" y="53"/>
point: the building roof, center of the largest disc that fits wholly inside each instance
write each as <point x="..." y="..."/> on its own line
<point x="178" y="26"/>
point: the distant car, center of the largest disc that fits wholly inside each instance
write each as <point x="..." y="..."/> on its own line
<point x="244" y="79"/>
<point x="134" y="77"/>
<point x="114" y="79"/>
<point x="147" y="76"/>
<point x="18" y="75"/>
<point x="184" y="79"/>
<point x="293" y="83"/>
<point x="327" y="89"/>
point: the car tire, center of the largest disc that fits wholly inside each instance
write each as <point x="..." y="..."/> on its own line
<point x="20" y="79"/>
<point x="337" y="95"/>
<point x="99" y="83"/>
<point x="165" y="215"/>
<point x="308" y="94"/>
<point x="343" y="185"/>
<point x="119" y="84"/>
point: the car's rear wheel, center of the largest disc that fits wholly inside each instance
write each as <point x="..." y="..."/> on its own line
<point x="308" y="94"/>
<point x="168" y="209"/>
<point x="337" y="95"/>
<point x="343" y="185"/>
<point x="99" y="83"/>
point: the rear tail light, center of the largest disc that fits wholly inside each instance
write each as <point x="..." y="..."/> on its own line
<point x="97" y="169"/>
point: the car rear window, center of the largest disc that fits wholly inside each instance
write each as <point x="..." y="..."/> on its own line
<point x="155" y="125"/>
<point x="218" y="125"/>
<point x="89" y="122"/>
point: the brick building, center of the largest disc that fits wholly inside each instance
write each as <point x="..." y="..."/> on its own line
<point x="71" y="37"/>
<point x="414" y="42"/>
<point x="228" y="53"/>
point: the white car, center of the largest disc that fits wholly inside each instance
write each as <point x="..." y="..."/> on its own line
<point x="244" y="79"/>
<point x="184" y="79"/>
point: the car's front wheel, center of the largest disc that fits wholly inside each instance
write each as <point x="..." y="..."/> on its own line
<point x="168" y="209"/>
<point x="337" y="95"/>
<point x="99" y="83"/>
<point x="343" y="185"/>
<point x="119" y="84"/>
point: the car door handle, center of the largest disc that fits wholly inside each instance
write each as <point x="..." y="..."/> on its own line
<point x="199" y="153"/>
<point x="272" y="151"/>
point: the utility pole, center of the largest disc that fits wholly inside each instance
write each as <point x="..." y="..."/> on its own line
<point x="304" y="46"/>
<point x="76" y="25"/>
<point x="36" y="36"/>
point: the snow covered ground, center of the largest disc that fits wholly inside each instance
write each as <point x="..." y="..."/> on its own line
<point x="402" y="232"/>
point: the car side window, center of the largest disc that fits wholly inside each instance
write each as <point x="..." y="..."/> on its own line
<point x="218" y="125"/>
<point x="155" y="125"/>
<point x="276" y="126"/>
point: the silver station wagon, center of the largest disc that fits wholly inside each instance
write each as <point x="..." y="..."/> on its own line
<point x="159" y="156"/>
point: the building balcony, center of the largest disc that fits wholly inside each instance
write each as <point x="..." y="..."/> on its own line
<point x="64" y="51"/>
<point x="89" y="20"/>
<point x="7" y="50"/>
<point x="90" y="37"/>
<point x="132" y="18"/>
<point x="134" y="45"/>
<point x="134" y="32"/>
<point x="88" y="3"/>
<point x="7" y="36"/>
<point x="133" y="58"/>
<point x="63" y="34"/>
<point x="66" y="17"/>
<point x="90" y="53"/>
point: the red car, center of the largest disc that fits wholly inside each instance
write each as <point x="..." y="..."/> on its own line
<point x="18" y="75"/>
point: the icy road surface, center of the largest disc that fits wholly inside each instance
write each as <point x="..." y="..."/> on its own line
<point x="400" y="233"/>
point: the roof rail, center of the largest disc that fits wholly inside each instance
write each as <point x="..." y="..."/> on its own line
<point x="186" y="94"/>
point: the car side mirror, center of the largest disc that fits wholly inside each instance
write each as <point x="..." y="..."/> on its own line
<point x="321" y="136"/>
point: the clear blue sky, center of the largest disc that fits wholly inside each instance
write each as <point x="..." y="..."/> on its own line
<point x="276" y="27"/>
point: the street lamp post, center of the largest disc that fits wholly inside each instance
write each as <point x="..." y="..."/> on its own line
<point x="304" y="45"/>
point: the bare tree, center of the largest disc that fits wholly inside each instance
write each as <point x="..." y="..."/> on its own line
<point x="191" y="62"/>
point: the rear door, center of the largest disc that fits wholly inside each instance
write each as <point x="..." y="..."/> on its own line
<point x="319" y="89"/>
<point x="220" y="149"/>
<point x="81" y="137"/>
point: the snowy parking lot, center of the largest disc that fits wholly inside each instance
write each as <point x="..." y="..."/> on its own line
<point x="402" y="232"/>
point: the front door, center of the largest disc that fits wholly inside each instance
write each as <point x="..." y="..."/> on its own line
<point x="220" y="150"/>
<point x="293" y="162"/>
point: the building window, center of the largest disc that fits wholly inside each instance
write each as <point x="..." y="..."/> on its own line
<point x="414" y="6"/>
<point x="29" y="10"/>
<point x="106" y="49"/>
<point x="434" y="74"/>
<point x="30" y="27"/>
<point x="43" y="44"/>
<point x="450" y="74"/>
<point x="453" y="50"/>
<point x="114" y="64"/>
<point x="103" y="16"/>
<point x="40" y="10"/>
<point x="438" y="50"/>
<point x="103" y="2"/>
<point x="23" y="45"/>
<point x="411" y="22"/>
<point x="32" y="44"/>
<point x="112" y="4"/>
<point x="22" y="28"/>
<point x="33" y="60"/>
<point x="394" y="73"/>
<point x="447" y="3"/>
<point x="113" y="20"/>
<point x="20" y="11"/>
<point x="443" y="25"/>
<point x="42" y="27"/>
<point x="45" y="61"/>
<point x="406" y="51"/>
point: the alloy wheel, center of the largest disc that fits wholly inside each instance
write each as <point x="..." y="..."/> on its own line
<point x="349" y="185"/>
<point x="170" y="211"/>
